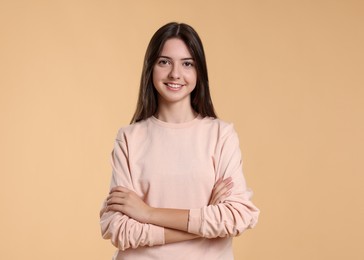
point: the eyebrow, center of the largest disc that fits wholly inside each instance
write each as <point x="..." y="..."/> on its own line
<point x="166" y="57"/>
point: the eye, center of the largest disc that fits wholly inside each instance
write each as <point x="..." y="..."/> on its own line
<point x="164" y="62"/>
<point x="188" y="64"/>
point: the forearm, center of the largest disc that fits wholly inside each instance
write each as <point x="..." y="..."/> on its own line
<point x="178" y="219"/>
<point x="170" y="218"/>
<point x="173" y="236"/>
<point x="174" y="221"/>
<point x="129" y="203"/>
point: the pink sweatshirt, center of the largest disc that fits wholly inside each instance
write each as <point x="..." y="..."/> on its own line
<point x="176" y="166"/>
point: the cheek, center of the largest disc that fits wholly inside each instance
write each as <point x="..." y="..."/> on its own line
<point x="193" y="78"/>
<point x="157" y="74"/>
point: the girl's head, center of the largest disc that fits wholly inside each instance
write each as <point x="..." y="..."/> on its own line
<point x="148" y="96"/>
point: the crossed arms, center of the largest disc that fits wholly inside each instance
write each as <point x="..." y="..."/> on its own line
<point x="129" y="222"/>
<point x="174" y="221"/>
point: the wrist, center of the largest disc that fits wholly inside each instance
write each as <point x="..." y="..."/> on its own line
<point x="151" y="212"/>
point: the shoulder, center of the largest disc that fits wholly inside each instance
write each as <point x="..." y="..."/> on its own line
<point x="219" y="126"/>
<point x="128" y="132"/>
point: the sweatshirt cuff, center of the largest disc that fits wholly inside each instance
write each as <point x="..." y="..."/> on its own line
<point x="157" y="235"/>
<point x="194" y="221"/>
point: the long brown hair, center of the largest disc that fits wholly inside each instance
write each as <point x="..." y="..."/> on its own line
<point x="148" y="97"/>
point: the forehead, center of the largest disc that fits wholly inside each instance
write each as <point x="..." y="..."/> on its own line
<point x="175" y="48"/>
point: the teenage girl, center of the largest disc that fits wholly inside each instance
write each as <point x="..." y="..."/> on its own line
<point x="177" y="188"/>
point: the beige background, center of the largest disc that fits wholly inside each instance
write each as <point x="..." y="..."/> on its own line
<point x="289" y="74"/>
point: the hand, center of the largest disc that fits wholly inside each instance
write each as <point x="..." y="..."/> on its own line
<point x="221" y="191"/>
<point x="128" y="202"/>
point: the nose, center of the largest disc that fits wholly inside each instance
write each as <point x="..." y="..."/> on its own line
<point x="175" y="72"/>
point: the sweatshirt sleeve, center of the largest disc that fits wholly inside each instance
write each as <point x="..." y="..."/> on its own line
<point x="237" y="213"/>
<point x="123" y="231"/>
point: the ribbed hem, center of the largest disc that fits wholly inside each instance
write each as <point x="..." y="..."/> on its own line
<point x="158" y="235"/>
<point x="194" y="221"/>
<point x="175" y="125"/>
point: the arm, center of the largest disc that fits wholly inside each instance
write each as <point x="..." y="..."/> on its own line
<point x="179" y="218"/>
<point x="175" y="221"/>
<point x="170" y="235"/>
<point x="237" y="213"/>
<point x="229" y="218"/>
<point x="123" y="231"/>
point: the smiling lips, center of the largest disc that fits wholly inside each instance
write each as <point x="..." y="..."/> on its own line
<point x="174" y="86"/>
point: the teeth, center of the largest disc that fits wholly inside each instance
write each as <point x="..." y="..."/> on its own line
<point x="175" y="86"/>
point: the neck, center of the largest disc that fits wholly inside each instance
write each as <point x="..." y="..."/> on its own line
<point x="174" y="113"/>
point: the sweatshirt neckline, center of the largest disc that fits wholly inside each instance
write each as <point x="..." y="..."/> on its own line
<point x="175" y="125"/>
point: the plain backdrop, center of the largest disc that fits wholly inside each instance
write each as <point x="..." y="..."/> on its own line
<point x="288" y="74"/>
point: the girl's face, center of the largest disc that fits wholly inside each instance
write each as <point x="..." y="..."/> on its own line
<point x="174" y="74"/>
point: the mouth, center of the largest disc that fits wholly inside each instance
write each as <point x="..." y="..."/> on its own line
<point x="173" y="86"/>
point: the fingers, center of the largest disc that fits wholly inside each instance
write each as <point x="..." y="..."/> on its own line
<point x="115" y="207"/>
<point x="223" y="185"/>
<point x="115" y="204"/>
<point x="221" y="197"/>
<point x="221" y="190"/>
<point x="116" y="194"/>
<point x="119" y="189"/>
<point x="119" y="196"/>
<point x="221" y="181"/>
<point x="115" y="200"/>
